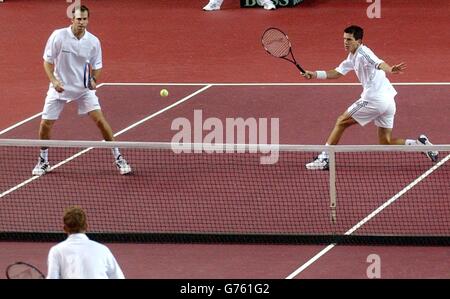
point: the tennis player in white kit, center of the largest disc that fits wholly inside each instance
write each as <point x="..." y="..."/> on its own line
<point x="66" y="52"/>
<point x="78" y="257"/>
<point x="377" y="99"/>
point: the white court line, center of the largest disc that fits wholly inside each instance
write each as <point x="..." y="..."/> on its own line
<point x="163" y="110"/>
<point x="266" y="84"/>
<point x="30" y="118"/>
<point x="115" y="135"/>
<point x="20" y="123"/>
<point x="228" y="84"/>
<point x="18" y="186"/>
<point x="370" y="216"/>
<point x="311" y="261"/>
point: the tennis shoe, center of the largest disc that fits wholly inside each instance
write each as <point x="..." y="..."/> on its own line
<point x="318" y="164"/>
<point x="432" y="155"/>
<point x="122" y="165"/>
<point x="212" y="5"/>
<point x="41" y="167"/>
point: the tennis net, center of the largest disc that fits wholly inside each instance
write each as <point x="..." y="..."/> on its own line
<point x="224" y="193"/>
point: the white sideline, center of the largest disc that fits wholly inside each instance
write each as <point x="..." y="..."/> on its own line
<point x="228" y="84"/>
<point x="370" y="216"/>
<point x="208" y="85"/>
<point x="24" y="183"/>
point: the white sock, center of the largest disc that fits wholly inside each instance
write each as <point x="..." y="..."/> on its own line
<point x="116" y="152"/>
<point x="44" y="154"/>
<point x="410" y="142"/>
<point x="324" y="155"/>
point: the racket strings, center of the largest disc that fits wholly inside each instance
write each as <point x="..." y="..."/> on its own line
<point x="276" y="43"/>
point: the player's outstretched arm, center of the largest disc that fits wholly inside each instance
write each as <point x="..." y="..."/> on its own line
<point x="331" y="74"/>
<point x="395" y="69"/>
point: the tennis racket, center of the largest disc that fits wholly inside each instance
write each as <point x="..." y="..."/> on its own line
<point x="277" y="44"/>
<point x="21" y="270"/>
<point x="87" y="75"/>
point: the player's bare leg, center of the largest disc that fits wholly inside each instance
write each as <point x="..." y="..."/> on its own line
<point x="385" y="137"/>
<point x="101" y="123"/>
<point x="99" y="119"/>
<point x="343" y="122"/>
<point x="45" y="129"/>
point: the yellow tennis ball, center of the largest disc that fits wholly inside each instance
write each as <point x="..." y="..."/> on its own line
<point x="164" y="92"/>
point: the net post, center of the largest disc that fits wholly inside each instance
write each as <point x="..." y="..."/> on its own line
<point x="332" y="171"/>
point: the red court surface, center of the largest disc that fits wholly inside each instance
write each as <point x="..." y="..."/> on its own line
<point x="177" y="42"/>
<point x="235" y="261"/>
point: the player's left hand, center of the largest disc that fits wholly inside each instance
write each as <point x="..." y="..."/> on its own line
<point x="398" y="68"/>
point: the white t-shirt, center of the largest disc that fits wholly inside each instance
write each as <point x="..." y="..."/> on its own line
<point x="79" y="257"/>
<point x="69" y="55"/>
<point x="374" y="81"/>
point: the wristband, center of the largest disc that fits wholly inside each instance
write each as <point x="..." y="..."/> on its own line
<point x="321" y="75"/>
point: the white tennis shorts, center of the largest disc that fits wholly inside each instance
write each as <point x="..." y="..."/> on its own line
<point x="53" y="106"/>
<point x="382" y="112"/>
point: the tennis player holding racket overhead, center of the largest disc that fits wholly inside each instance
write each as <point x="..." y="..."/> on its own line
<point x="77" y="256"/>
<point x="377" y="99"/>
<point x="73" y="62"/>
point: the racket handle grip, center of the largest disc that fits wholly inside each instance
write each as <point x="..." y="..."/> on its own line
<point x="300" y="68"/>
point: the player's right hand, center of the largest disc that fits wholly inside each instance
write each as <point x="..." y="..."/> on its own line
<point x="308" y="75"/>
<point x="59" y="87"/>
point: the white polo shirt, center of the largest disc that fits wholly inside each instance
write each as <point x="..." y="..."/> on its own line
<point x="69" y="55"/>
<point x="79" y="257"/>
<point x="374" y="81"/>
